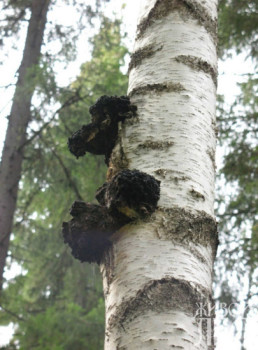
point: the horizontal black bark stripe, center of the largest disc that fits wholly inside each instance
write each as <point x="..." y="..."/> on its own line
<point x="155" y="145"/>
<point x="198" y="64"/>
<point x="157" y="88"/>
<point x="188" y="7"/>
<point x="184" y="227"/>
<point x="162" y="295"/>
<point x="139" y="55"/>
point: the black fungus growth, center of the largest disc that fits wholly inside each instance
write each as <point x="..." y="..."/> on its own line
<point x="88" y="232"/>
<point x="113" y="108"/>
<point x="99" y="137"/>
<point x="100" y="194"/>
<point x="131" y="193"/>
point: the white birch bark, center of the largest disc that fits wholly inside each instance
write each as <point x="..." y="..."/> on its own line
<point x="160" y="270"/>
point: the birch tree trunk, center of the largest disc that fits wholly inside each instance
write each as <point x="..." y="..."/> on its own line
<point x="13" y="151"/>
<point x="158" y="275"/>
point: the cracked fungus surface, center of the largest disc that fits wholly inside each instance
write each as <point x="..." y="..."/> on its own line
<point x="132" y="193"/>
<point x="100" y="136"/>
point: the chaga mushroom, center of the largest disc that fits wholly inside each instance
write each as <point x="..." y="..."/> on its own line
<point x="87" y="134"/>
<point x="89" y="231"/>
<point x="132" y="193"/>
<point x="113" y="108"/>
<point x="99" y="137"/>
<point x="100" y="194"/>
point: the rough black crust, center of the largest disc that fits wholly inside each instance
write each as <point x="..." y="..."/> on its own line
<point x="88" y="232"/>
<point x="99" y="137"/>
<point x="113" y="108"/>
<point x="86" y="140"/>
<point x="130" y="194"/>
<point x="100" y="193"/>
<point x="133" y="193"/>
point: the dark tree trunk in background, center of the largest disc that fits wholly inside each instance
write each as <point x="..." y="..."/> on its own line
<point x="13" y="151"/>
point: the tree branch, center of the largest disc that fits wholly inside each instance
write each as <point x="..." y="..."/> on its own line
<point x="66" y="104"/>
<point x="26" y="205"/>
<point x="19" y="318"/>
<point x="66" y="171"/>
<point x="68" y="175"/>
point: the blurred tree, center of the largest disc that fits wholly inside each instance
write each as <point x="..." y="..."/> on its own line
<point x="56" y="295"/>
<point x="11" y="162"/>
<point x="238" y="27"/>
<point x="15" y="13"/>
<point x="237" y="210"/>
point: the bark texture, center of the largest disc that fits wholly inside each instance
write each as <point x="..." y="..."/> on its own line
<point x="158" y="273"/>
<point x="13" y="151"/>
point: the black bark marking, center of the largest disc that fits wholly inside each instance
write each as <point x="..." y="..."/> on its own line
<point x="157" y="88"/>
<point x="182" y="226"/>
<point x="197" y="195"/>
<point x="211" y="154"/>
<point x="100" y="136"/>
<point x="198" y="64"/>
<point x="108" y="261"/>
<point x="215" y="128"/>
<point x="139" y="55"/>
<point x="175" y="176"/>
<point x="155" y="145"/>
<point x="186" y="8"/>
<point x="161" y="295"/>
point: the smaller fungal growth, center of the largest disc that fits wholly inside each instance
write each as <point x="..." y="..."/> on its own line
<point x="132" y="193"/>
<point x="99" y="137"/>
<point x="88" y="232"/>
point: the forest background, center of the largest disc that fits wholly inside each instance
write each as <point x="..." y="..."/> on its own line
<point x="47" y="294"/>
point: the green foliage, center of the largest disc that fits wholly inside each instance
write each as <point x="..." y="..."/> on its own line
<point x="64" y="327"/>
<point x="238" y="129"/>
<point x="61" y="32"/>
<point x="238" y="25"/>
<point x="238" y="181"/>
<point x="109" y="57"/>
<point x="15" y="14"/>
<point x="238" y="204"/>
<point x="57" y="302"/>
